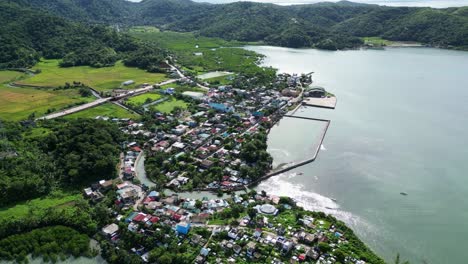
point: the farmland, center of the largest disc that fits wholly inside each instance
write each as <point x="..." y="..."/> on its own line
<point x="203" y="54"/>
<point x="101" y="79"/>
<point x="18" y="103"/>
<point x="107" y="110"/>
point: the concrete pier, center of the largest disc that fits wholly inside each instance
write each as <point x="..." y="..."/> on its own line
<point x="326" y="102"/>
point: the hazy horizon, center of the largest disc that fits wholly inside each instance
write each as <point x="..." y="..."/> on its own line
<point x="431" y="3"/>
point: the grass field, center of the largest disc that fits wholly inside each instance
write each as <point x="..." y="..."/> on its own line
<point x="8" y="76"/>
<point x="18" y="103"/>
<point x="376" y="41"/>
<point x="102" y="79"/>
<point x="222" y="80"/>
<point x="21" y="210"/>
<point x="107" y="109"/>
<point x="218" y="54"/>
<point x="169" y="105"/>
<point x="142" y="99"/>
<point x="36" y="132"/>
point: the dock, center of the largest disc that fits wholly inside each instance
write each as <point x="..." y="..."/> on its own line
<point x="324" y="102"/>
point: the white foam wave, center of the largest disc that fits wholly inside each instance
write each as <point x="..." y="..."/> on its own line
<point x="281" y="186"/>
<point x="282" y="151"/>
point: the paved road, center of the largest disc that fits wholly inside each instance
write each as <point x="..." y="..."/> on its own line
<point x="76" y="109"/>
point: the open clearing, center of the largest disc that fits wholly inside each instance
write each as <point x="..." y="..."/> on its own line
<point x="8" y="76"/>
<point x="215" y="74"/>
<point x="101" y="79"/>
<point x="170" y="105"/>
<point x="18" y="103"/>
<point x="21" y="210"/>
<point x="142" y="99"/>
<point x="180" y="88"/>
<point x="107" y="109"/>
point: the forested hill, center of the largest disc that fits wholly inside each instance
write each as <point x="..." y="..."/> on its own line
<point x="323" y="25"/>
<point x="27" y="34"/>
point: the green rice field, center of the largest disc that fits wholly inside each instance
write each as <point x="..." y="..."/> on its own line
<point x="101" y="79"/>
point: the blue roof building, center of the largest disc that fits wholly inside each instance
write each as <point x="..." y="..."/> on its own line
<point x="221" y="107"/>
<point x="183" y="228"/>
<point x="153" y="194"/>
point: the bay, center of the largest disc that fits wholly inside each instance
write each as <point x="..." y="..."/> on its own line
<point x="401" y="125"/>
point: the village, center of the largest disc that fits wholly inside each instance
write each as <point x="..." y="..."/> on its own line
<point x="242" y="228"/>
<point x="203" y="148"/>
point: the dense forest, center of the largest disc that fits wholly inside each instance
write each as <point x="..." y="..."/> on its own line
<point x="322" y="25"/>
<point x="26" y="35"/>
<point x="67" y="154"/>
<point x="49" y="242"/>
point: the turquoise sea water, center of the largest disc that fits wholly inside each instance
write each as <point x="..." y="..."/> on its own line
<point x="401" y="125"/>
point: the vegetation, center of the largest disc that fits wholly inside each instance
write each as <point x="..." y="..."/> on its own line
<point x="105" y="110"/>
<point x="170" y="105"/>
<point x="23" y="209"/>
<point x="72" y="153"/>
<point x="376" y="41"/>
<point x="8" y="76"/>
<point x="323" y="25"/>
<point x="101" y="79"/>
<point x="33" y="34"/>
<point x="20" y="103"/>
<point x="51" y="243"/>
<point x="143" y="99"/>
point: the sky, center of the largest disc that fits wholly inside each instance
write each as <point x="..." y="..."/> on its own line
<point x="431" y="3"/>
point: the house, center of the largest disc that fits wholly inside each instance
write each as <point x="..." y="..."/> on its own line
<point x="110" y="230"/>
<point x="250" y="248"/>
<point x="233" y="233"/>
<point x="201" y="218"/>
<point x="169" y="91"/>
<point x="206" y="164"/>
<point x="154" y="195"/>
<point x="200" y="260"/>
<point x="179" y="145"/>
<point x="95" y="196"/>
<point x="127" y="83"/>
<point x="205" y="251"/>
<point x="290" y="92"/>
<point x="221" y="107"/>
<point x="183" y="228"/>
<point x="128" y="195"/>
<point x="106" y="185"/>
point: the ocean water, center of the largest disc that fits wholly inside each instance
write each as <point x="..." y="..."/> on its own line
<point x="401" y="125"/>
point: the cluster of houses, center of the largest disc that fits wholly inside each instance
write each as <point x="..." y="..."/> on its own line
<point x="223" y="116"/>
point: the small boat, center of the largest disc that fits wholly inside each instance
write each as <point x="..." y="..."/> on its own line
<point x="333" y="199"/>
<point x="300" y="173"/>
<point x="403" y="193"/>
